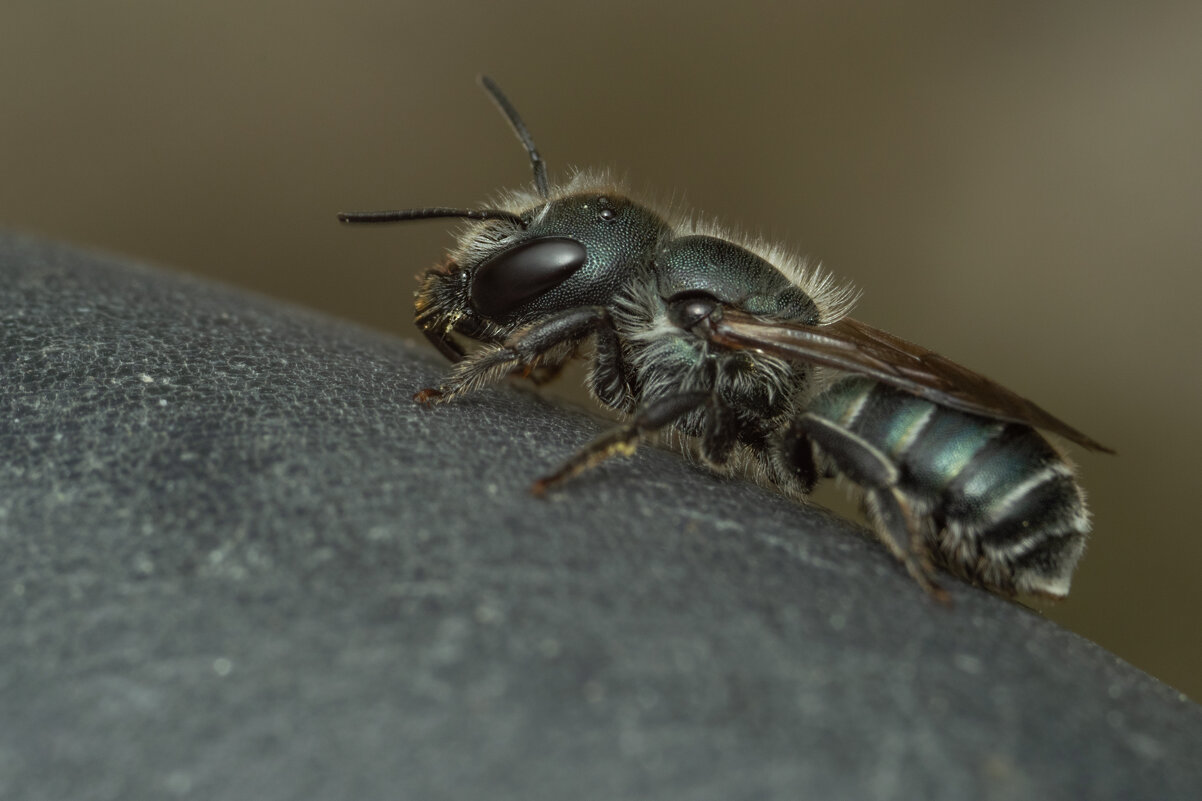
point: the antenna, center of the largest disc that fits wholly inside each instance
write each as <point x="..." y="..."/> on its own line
<point x="511" y="114"/>
<point x="433" y="212"/>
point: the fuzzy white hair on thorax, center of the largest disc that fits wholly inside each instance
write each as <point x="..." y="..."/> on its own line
<point x="833" y="297"/>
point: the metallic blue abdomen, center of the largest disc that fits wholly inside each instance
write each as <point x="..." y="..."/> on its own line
<point x="995" y="491"/>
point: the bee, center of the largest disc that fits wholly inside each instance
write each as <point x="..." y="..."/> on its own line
<point x="747" y="354"/>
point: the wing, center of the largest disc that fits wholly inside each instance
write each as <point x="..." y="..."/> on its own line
<point x="850" y="345"/>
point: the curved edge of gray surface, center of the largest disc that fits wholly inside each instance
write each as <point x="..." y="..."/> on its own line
<point x="239" y="562"/>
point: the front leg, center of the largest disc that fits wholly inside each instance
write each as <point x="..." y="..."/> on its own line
<point x="555" y="338"/>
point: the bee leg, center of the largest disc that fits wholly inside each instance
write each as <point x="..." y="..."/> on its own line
<point x="890" y="511"/>
<point x="624" y="438"/>
<point x="895" y="525"/>
<point x="797" y="453"/>
<point x="521" y="353"/>
<point x="719" y="431"/>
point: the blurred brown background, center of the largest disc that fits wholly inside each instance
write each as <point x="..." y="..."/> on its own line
<point x="1018" y="185"/>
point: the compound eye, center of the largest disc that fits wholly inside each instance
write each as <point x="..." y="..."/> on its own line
<point x="522" y="273"/>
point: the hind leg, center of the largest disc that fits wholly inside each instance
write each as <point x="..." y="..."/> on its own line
<point x="891" y="513"/>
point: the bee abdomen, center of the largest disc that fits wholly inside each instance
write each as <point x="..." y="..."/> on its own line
<point x="1004" y="506"/>
<point x="1019" y="504"/>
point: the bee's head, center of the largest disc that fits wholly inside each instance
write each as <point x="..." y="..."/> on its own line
<point x="551" y="253"/>
<point x="512" y="269"/>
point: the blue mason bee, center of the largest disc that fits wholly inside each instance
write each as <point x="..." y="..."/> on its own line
<point x="748" y="354"/>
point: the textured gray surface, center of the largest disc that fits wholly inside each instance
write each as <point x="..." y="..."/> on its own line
<point x="237" y="562"/>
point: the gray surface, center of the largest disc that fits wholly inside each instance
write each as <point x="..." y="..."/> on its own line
<point x="237" y="562"/>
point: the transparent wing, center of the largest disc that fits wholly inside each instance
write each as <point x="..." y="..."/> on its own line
<point x="850" y="345"/>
